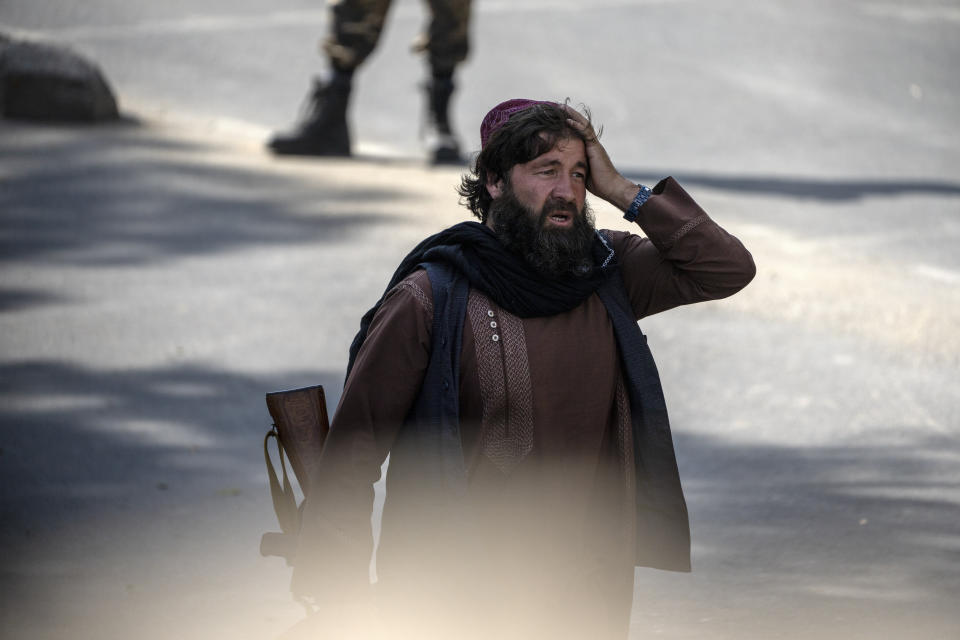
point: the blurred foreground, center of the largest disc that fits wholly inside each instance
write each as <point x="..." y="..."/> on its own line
<point x="158" y="279"/>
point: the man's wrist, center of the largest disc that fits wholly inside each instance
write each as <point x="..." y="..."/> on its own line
<point x="621" y="194"/>
<point x="639" y="198"/>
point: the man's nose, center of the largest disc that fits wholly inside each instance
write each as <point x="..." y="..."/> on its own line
<point x="563" y="189"/>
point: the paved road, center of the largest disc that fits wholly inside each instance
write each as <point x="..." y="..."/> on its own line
<point x="157" y="280"/>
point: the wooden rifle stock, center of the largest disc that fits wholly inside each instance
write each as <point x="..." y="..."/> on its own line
<point x="300" y="427"/>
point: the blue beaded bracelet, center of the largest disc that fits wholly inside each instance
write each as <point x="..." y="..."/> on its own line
<point x="634" y="209"/>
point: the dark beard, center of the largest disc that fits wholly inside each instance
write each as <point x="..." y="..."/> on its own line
<point x="552" y="252"/>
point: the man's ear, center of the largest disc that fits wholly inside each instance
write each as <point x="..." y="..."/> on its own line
<point x="495" y="189"/>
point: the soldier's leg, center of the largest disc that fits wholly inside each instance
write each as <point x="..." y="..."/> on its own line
<point x="447" y="40"/>
<point x="446" y="43"/>
<point x="354" y="31"/>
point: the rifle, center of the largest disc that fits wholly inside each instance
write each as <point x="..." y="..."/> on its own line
<point x="300" y="427"/>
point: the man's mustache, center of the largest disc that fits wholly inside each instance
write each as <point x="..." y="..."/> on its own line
<point x="554" y="206"/>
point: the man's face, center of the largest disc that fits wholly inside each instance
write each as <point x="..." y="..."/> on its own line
<point x="554" y="182"/>
<point x="545" y="219"/>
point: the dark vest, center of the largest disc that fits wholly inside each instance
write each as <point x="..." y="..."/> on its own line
<point x="427" y="474"/>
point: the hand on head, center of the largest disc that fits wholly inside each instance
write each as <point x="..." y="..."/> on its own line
<point x="604" y="181"/>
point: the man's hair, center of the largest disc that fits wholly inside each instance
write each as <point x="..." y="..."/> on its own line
<point x="526" y="135"/>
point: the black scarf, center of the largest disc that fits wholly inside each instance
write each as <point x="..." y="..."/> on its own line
<point x="474" y="250"/>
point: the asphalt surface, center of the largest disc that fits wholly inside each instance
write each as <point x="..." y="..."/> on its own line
<point x="158" y="278"/>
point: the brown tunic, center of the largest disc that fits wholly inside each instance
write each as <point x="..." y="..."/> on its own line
<point x="544" y="416"/>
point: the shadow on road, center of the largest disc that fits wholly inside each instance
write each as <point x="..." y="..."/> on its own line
<point x="14" y="299"/>
<point x="123" y="195"/>
<point x="880" y="503"/>
<point x="804" y="188"/>
<point x="128" y="494"/>
<point x="824" y="542"/>
<point x="76" y="439"/>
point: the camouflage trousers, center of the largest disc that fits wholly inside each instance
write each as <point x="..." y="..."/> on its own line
<point x="356" y="27"/>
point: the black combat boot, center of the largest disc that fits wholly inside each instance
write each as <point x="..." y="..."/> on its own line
<point x="441" y="143"/>
<point x="322" y="130"/>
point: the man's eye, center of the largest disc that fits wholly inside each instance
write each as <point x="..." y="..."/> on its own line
<point x="548" y="172"/>
<point x="579" y="176"/>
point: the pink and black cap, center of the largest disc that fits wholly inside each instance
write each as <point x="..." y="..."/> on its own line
<point x="497" y="116"/>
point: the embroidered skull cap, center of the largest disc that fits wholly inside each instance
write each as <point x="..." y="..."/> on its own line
<point x="497" y="116"/>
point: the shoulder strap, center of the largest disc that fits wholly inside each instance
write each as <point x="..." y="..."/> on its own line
<point x="284" y="502"/>
<point x="437" y="410"/>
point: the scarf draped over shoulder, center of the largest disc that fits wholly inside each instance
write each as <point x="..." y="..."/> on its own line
<point x="474" y="250"/>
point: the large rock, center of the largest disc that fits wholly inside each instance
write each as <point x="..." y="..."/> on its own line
<point x="45" y="82"/>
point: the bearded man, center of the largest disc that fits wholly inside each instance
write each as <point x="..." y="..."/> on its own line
<point x="531" y="462"/>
